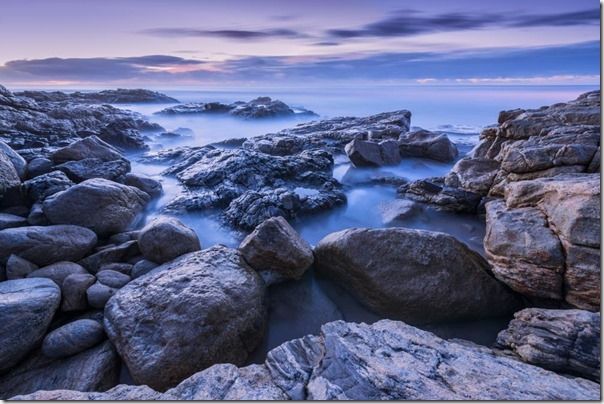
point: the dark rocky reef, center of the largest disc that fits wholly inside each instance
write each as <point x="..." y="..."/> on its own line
<point x="118" y="96"/>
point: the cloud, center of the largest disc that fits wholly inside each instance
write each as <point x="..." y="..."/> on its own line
<point x="234" y="34"/>
<point x="405" y="23"/>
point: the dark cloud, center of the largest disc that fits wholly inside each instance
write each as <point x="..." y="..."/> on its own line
<point x="411" y="22"/>
<point x="327" y="43"/>
<point x="224" y="33"/>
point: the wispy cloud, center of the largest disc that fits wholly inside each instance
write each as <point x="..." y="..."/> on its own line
<point x="235" y="34"/>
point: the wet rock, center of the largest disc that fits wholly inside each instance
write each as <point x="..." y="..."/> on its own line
<point x="166" y="238"/>
<point x="39" y="166"/>
<point x="45" y="185"/>
<point x="388" y="270"/>
<point x="110" y="254"/>
<point x="426" y="144"/>
<point x="396" y="210"/>
<point x="144" y="183"/>
<point x="98" y="295"/>
<point x="45" y="245"/>
<point x="141" y="268"/>
<point x="87" y="169"/>
<point x="72" y="338"/>
<point x="74" y="289"/>
<point x="8" y="220"/>
<point x="18" y="268"/>
<point x="275" y="248"/>
<point x="27" y="307"/>
<point x="96" y="369"/>
<point x="58" y="271"/>
<point x="560" y="340"/>
<point x="101" y="205"/>
<point x="160" y="306"/>
<point x="112" y="278"/>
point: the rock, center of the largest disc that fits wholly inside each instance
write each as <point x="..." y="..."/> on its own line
<point x="166" y="238"/>
<point x="121" y="392"/>
<point x="276" y="248"/>
<point x="18" y="162"/>
<point x="39" y="166"/>
<point x="120" y="267"/>
<point x="72" y="338"/>
<point x="27" y="307"/>
<point x="144" y="183"/>
<point x="58" y="271"/>
<point x="96" y="369"/>
<point x="36" y="216"/>
<point x="110" y="254"/>
<point x="101" y="205"/>
<point x="142" y="267"/>
<point x="18" y="268"/>
<point x="426" y="144"/>
<point x="473" y="174"/>
<point x="45" y="185"/>
<point x="213" y="289"/>
<point x="74" y="289"/>
<point x="560" y="340"/>
<point x="228" y="382"/>
<point x="112" y="278"/>
<point x="9" y="178"/>
<point x="365" y="153"/>
<point x="435" y="191"/>
<point x="390" y="270"/>
<point x="124" y="237"/>
<point x="45" y="245"/>
<point x="396" y="210"/>
<point x="8" y="220"/>
<point x="90" y="168"/>
<point x="98" y="295"/>
<point x="118" y="96"/>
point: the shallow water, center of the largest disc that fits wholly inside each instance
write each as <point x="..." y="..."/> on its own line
<point x="299" y="308"/>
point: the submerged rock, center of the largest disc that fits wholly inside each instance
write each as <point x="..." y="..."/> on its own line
<point x="391" y="270"/>
<point x="203" y="308"/>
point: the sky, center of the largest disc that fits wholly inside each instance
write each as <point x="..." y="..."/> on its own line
<point x="183" y="43"/>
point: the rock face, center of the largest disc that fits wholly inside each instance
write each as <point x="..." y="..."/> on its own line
<point x="95" y="369"/>
<point x="45" y="245"/>
<point x="388" y="360"/>
<point x="364" y="153"/>
<point x="203" y="308"/>
<point x="423" y="143"/>
<point x="103" y="206"/>
<point x="274" y="247"/>
<point x="73" y="338"/>
<point x="261" y="107"/>
<point x="543" y="239"/>
<point x="119" y="96"/>
<point x="166" y="238"/>
<point x="27" y="307"/>
<point x="559" y="340"/>
<point x="391" y="270"/>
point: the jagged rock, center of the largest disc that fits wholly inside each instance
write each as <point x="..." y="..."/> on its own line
<point x="559" y="340"/>
<point x="118" y="96"/>
<point x="45" y="245"/>
<point x="426" y="144"/>
<point x="436" y="192"/>
<point x="166" y="238"/>
<point x="103" y="206"/>
<point x="26" y="310"/>
<point x="90" y="168"/>
<point x="41" y="187"/>
<point x="276" y="249"/>
<point x="8" y="220"/>
<point x="74" y="289"/>
<point x="213" y="289"/>
<point x="144" y="183"/>
<point x="96" y="369"/>
<point x="72" y="338"/>
<point x="388" y="270"/>
<point x="18" y="268"/>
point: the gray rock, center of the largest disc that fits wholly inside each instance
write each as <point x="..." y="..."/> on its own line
<point x="98" y="295"/>
<point x="101" y="205"/>
<point x="413" y="275"/>
<point x="112" y="278"/>
<point x="45" y="245"/>
<point x="89" y="168"/>
<point x="121" y="392"/>
<point x="18" y="268"/>
<point x="89" y="147"/>
<point x="141" y="268"/>
<point x="41" y="187"/>
<point x="9" y="178"/>
<point x="8" y="220"/>
<point x="96" y="369"/>
<point x="560" y="340"/>
<point x="72" y="338"/>
<point x="58" y="271"/>
<point x="423" y="143"/>
<point x="144" y="183"/>
<point x="366" y="153"/>
<point x="166" y="238"/>
<point x="275" y="247"/>
<point x="39" y="166"/>
<point x="74" y="292"/>
<point x="396" y="210"/>
<point x="36" y="216"/>
<point x="446" y="197"/>
<point x="110" y="254"/>
<point x="27" y="307"/>
<point x="18" y="162"/>
<point x="117" y="266"/>
<point x="213" y="289"/>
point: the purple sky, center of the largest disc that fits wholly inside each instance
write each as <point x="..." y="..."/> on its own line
<point x="186" y="42"/>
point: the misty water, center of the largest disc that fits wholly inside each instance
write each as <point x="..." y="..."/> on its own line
<point x="298" y="308"/>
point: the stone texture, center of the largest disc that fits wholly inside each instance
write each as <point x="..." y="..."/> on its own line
<point x="58" y="271"/>
<point x="144" y="183"/>
<point x="426" y="144"/>
<point x="141" y="268"/>
<point x="41" y="187"/>
<point x="72" y="338"/>
<point x="8" y="220"/>
<point x="110" y="254"/>
<point x="98" y="294"/>
<point x="112" y="278"/>
<point x="18" y="268"/>
<point x="74" y="289"/>
<point x="166" y="238"/>
<point x="396" y="210"/>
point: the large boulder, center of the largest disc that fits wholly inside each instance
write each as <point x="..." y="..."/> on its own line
<point x="27" y="307"/>
<point x="166" y="238"/>
<point x="45" y="245"/>
<point x="274" y="248"/>
<point x="203" y="308"/>
<point x="103" y="206"/>
<point x="96" y="369"/>
<point x="413" y="275"/>
<point x="560" y="340"/>
<point x="364" y="153"/>
<point x="426" y="144"/>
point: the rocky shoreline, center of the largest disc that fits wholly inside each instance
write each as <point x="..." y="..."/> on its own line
<point x="85" y="288"/>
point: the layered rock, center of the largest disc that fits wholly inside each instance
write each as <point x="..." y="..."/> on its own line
<point x="413" y="275"/>
<point x="560" y="340"/>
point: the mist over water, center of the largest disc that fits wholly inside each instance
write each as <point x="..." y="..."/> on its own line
<point x="299" y="308"/>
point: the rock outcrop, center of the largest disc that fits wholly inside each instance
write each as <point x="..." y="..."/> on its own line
<point x="118" y="96"/>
